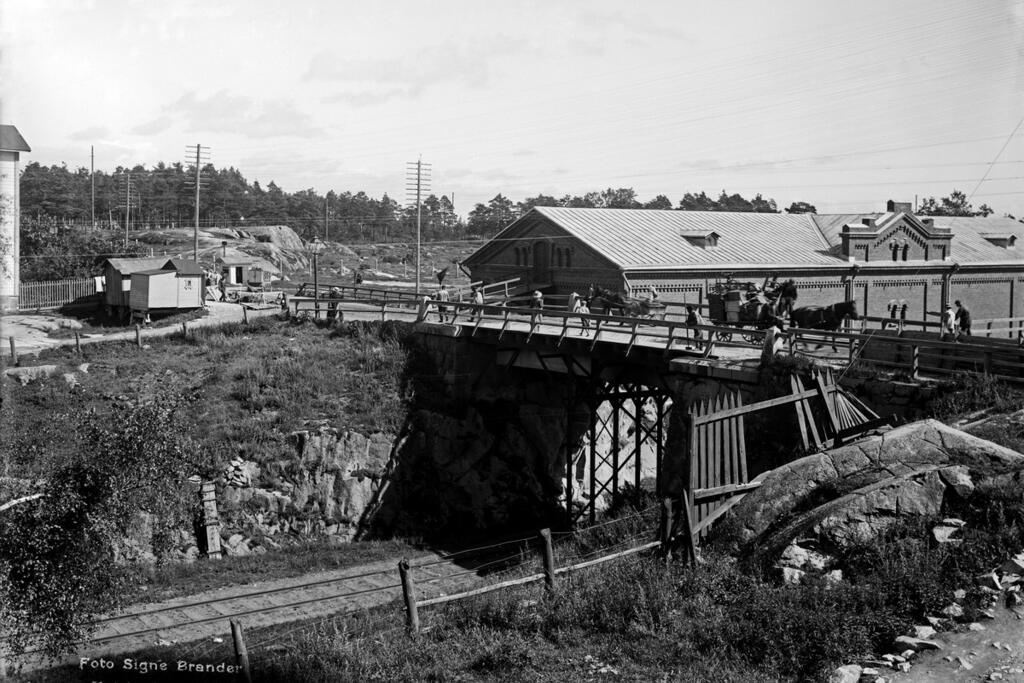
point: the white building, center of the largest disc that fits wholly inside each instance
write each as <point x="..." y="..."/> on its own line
<point x="11" y="145"/>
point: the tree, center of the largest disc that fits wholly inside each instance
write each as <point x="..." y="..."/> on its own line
<point x="801" y="207"/>
<point x="955" y="204"/>
<point x="62" y="554"/>
<point x="696" y="202"/>
<point x="661" y="202"/>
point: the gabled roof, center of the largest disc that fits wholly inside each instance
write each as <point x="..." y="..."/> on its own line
<point x="154" y="271"/>
<point x="126" y="266"/>
<point x="184" y="266"/>
<point x="11" y="140"/>
<point x="645" y="238"/>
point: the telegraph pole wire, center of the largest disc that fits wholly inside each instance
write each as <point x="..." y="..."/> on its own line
<point x="419" y="173"/>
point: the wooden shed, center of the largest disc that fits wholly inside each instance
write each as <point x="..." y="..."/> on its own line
<point x="117" y="274"/>
<point x="177" y="285"/>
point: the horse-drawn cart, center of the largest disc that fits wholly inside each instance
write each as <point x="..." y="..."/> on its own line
<point x="745" y="306"/>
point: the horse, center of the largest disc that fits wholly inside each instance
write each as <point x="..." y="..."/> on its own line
<point x="824" y="317"/>
<point x="634" y="308"/>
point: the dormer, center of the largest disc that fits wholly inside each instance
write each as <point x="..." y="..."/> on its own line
<point x="700" y="238"/>
<point x="1006" y="240"/>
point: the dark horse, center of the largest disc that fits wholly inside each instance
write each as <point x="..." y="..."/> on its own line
<point x="824" y="317"/>
<point x="634" y="308"/>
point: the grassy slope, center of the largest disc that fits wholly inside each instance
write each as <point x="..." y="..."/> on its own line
<point x="249" y="387"/>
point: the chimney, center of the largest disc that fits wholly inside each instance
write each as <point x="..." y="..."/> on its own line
<point x="899" y="207"/>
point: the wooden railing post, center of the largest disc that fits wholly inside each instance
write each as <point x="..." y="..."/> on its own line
<point x="138" y="335"/>
<point x="665" y="529"/>
<point x="14" y="352"/>
<point x="915" y="362"/>
<point x="241" y="652"/>
<point x="211" y="519"/>
<point x="549" y="561"/>
<point x="78" y="344"/>
<point x="412" y="617"/>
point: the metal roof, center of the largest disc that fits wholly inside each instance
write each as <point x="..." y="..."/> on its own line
<point x="646" y="238"/>
<point x="185" y="266"/>
<point x="11" y="140"/>
<point x="127" y="266"/>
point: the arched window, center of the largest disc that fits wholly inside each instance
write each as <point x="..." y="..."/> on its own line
<point x="895" y="251"/>
<point x="906" y="251"/>
<point x="568" y="258"/>
<point x="558" y="253"/>
<point x="903" y="311"/>
<point x="518" y="256"/>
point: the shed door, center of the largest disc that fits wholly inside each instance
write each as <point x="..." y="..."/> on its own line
<point x="239" y="275"/>
<point x="541" y="262"/>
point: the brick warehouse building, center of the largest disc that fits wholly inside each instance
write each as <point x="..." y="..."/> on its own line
<point x="885" y="260"/>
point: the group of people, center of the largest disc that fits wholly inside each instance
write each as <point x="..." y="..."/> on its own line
<point x="956" y="325"/>
<point x="476" y="296"/>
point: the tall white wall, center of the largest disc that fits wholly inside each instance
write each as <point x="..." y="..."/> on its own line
<point x="10" y="246"/>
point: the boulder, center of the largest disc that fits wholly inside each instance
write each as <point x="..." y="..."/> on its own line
<point x="31" y="373"/>
<point x="928" y="444"/>
<point x="916" y="644"/>
<point x="846" y="674"/>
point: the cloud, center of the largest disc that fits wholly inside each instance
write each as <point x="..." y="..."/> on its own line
<point x="90" y="133"/>
<point x="374" y="81"/>
<point x="225" y="112"/>
<point x="157" y="125"/>
<point x="632" y="27"/>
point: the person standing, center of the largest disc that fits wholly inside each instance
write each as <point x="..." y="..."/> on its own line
<point x="694" y="318"/>
<point x="580" y="306"/>
<point x="963" y="319"/>
<point x="948" y="323"/>
<point x="538" y="303"/>
<point x="442" y="302"/>
<point x="477" y="298"/>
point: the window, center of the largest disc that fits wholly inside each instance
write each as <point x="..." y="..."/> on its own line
<point x="906" y="251"/>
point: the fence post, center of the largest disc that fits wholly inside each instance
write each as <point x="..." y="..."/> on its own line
<point x="78" y="344"/>
<point x="915" y="362"/>
<point x="691" y="548"/>
<point x="241" y="653"/>
<point x="412" y="616"/>
<point x="549" y="561"/>
<point x="138" y="335"/>
<point x="665" y="529"/>
<point x="14" y="352"/>
<point x="184" y="329"/>
<point x="245" y="314"/>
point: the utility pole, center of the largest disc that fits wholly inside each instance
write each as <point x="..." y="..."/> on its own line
<point x="92" y="178"/>
<point x="127" y="211"/>
<point x="327" y="234"/>
<point x="201" y="154"/>
<point x="419" y="173"/>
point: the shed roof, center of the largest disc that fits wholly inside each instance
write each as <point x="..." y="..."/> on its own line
<point x="11" y="140"/>
<point x="126" y="266"/>
<point x="185" y="266"/>
<point x="154" y="271"/>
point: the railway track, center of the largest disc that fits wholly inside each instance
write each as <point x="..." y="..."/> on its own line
<point x="206" y="615"/>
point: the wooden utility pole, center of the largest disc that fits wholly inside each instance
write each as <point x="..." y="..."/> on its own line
<point x="92" y="178"/>
<point x="201" y="154"/>
<point x="419" y="174"/>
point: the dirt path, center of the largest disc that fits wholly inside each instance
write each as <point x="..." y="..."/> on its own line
<point x="994" y="654"/>
<point x="206" y="615"/>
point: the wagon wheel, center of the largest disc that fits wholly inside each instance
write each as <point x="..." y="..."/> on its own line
<point x="750" y="337"/>
<point x="723" y="336"/>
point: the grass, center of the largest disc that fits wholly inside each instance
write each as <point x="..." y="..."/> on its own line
<point x="249" y="387"/>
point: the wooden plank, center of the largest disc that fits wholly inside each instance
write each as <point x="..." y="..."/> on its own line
<point x="799" y="413"/>
<point x="742" y="446"/>
<point x="729" y="459"/>
<point x="823" y="391"/>
<point x="799" y="394"/>
<point x="705" y="524"/>
<point x="716" y="450"/>
<point x="486" y="589"/>
<point x="723" y="491"/>
<point x="607" y="558"/>
<point x="865" y="427"/>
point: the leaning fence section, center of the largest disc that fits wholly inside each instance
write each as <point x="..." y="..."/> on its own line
<point x="54" y="293"/>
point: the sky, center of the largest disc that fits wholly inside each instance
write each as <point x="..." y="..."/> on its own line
<point x="841" y="104"/>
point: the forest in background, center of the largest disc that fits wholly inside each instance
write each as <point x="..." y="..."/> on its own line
<point x="58" y="240"/>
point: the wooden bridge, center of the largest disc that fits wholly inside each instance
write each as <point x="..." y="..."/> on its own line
<point x="637" y="372"/>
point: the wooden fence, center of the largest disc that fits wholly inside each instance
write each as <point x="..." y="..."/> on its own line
<point x="716" y="444"/>
<point x="51" y="294"/>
